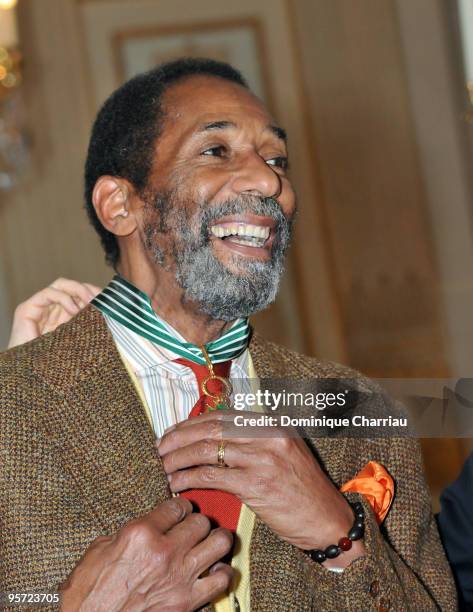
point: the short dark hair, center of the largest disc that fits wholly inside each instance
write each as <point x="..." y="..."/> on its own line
<point x="127" y="126"/>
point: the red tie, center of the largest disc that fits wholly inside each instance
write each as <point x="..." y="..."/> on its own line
<point x="221" y="507"/>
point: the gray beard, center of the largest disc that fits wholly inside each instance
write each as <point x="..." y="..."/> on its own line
<point x="219" y="293"/>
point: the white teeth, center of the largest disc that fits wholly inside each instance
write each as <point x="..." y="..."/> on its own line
<point x="255" y="231"/>
<point x="253" y="242"/>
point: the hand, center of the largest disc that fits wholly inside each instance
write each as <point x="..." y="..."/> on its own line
<point x="152" y="564"/>
<point x="277" y="477"/>
<point x="48" y="308"/>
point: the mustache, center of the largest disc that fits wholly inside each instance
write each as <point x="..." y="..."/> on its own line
<point x="251" y="204"/>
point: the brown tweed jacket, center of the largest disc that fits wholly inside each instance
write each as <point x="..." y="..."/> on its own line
<point x="78" y="460"/>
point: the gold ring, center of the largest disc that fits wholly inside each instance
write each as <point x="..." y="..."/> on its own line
<point x="221" y="454"/>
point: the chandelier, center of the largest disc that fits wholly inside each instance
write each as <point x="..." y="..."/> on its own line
<point x="14" y="151"/>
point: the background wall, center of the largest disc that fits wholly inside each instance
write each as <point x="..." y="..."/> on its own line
<point x="380" y="273"/>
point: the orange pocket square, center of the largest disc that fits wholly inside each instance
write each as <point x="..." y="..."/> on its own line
<point x="374" y="482"/>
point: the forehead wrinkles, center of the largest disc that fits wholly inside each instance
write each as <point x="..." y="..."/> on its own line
<point x="189" y="104"/>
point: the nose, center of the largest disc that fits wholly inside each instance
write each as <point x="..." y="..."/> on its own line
<point x="255" y="177"/>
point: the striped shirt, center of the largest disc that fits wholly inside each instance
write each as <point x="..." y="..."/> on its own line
<point x="170" y="389"/>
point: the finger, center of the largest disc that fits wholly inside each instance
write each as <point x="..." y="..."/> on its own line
<point x="73" y="288"/>
<point x="47" y="297"/>
<point x="225" y="417"/>
<point x="54" y="318"/>
<point x="209" y="588"/>
<point x="169" y="513"/>
<point x="40" y="313"/>
<point x="190" y="531"/>
<point x="182" y="436"/>
<point x="205" y="452"/>
<point x="210" y="551"/>
<point x="231" y="480"/>
<point x="210" y="429"/>
<point x="22" y="331"/>
<point x="94" y="290"/>
<point x="217" y="566"/>
<point x="214" y="415"/>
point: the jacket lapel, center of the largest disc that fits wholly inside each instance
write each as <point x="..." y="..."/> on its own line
<point x="277" y="574"/>
<point x="106" y="441"/>
<point x="108" y="449"/>
<point x="269" y="365"/>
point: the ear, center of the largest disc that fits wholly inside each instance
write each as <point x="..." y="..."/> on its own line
<point x="112" y="200"/>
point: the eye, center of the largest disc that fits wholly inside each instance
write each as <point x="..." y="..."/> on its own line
<point x="279" y="162"/>
<point x="217" y="151"/>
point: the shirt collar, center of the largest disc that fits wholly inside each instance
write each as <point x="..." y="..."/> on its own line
<point x="131" y="307"/>
<point x="146" y="358"/>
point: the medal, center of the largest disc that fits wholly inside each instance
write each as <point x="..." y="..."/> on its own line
<point x="218" y="400"/>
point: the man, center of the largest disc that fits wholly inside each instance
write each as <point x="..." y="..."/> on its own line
<point x="186" y="185"/>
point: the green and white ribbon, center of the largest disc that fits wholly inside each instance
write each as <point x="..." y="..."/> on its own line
<point x="130" y="306"/>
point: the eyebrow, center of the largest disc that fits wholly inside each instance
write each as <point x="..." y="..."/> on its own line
<point x="279" y="132"/>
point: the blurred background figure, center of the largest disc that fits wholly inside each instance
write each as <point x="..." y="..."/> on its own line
<point x="455" y="524"/>
<point x="374" y="97"/>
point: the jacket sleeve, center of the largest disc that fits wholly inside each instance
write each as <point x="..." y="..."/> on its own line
<point x="405" y="567"/>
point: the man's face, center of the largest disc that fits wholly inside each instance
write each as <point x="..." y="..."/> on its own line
<point x="218" y="204"/>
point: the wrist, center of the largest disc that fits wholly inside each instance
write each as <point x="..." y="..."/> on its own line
<point x="342" y="551"/>
<point x="357" y="551"/>
<point x="329" y="529"/>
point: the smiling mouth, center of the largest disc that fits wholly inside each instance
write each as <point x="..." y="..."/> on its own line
<point x="246" y="234"/>
<point x="242" y="234"/>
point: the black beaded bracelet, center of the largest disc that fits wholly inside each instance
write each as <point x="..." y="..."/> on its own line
<point x="356" y="533"/>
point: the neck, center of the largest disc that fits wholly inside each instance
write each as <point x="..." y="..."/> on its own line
<point x="168" y="301"/>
